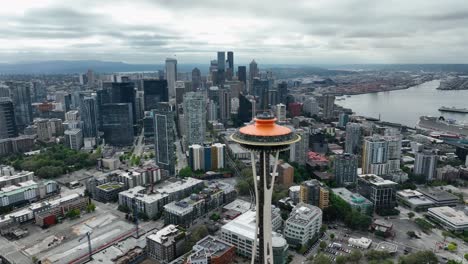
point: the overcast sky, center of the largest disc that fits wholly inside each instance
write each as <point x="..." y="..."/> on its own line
<point x="271" y="31"/>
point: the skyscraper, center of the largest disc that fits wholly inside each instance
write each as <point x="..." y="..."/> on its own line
<point x="247" y="108"/>
<point x="425" y="164"/>
<point x="38" y="92"/>
<point x="117" y="124"/>
<point x="224" y="104"/>
<point x="7" y="119"/>
<point x="20" y="92"/>
<point x="253" y="73"/>
<point x="260" y="89"/>
<point x="155" y="91"/>
<point x="375" y="155"/>
<point x="221" y="67"/>
<point x="282" y="92"/>
<point x="394" y="153"/>
<point x="124" y="92"/>
<point x="328" y="106"/>
<point x="264" y="137"/>
<point x="195" y="117"/>
<point x="196" y="79"/>
<point x="345" y="166"/>
<point x="89" y="116"/>
<point x="242" y="75"/>
<point x="299" y="150"/>
<point x="230" y="65"/>
<point x="353" y="138"/>
<point x="171" y="75"/>
<point x="164" y="136"/>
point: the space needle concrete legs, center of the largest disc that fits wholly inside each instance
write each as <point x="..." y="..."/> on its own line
<point x="263" y="183"/>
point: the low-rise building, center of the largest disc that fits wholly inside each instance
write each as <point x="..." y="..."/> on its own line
<point x="414" y="200"/>
<point x="27" y="192"/>
<point x="285" y="174"/>
<point x="212" y="250"/>
<point x="440" y="197"/>
<point x="166" y="244"/>
<point x="303" y="224"/>
<point x="449" y="218"/>
<point x="240" y="232"/>
<point x="9" y="176"/>
<point x="355" y="200"/>
<point x="362" y="242"/>
<point x="108" y="192"/>
<point x="59" y="207"/>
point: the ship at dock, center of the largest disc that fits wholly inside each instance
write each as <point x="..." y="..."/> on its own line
<point x="444" y="125"/>
<point x="453" y="109"/>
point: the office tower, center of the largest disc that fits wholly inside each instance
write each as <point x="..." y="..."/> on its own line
<point x="74" y="138"/>
<point x="242" y="75"/>
<point x="375" y="155"/>
<point x="124" y="92"/>
<point x="311" y="106"/>
<point x="221" y="73"/>
<point x="90" y="77"/>
<point x="7" y="119"/>
<point x="328" y="106"/>
<point x="89" y="116"/>
<point x="230" y="65"/>
<point x="343" y="119"/>
<point x="20" y="92"/>
<point x="260" y="89"/>
<point x="382" y="193"/>
<point x="353" y="138"/>
<point x="281" y="112"/>
<point x="253" y="73"/>
<point x="117" y="124"/>
<point x="299" y="150"/>
<point x="303" y="225"/>
<point x="155" y="91"/>
<point x="247" y="108"/>
<point x="212" y="111"/>
<point x="425" y="164"/>
<point x="345" y="167"/>
<point x="148" y="126"/>
<point x="394" y="153"/>
<point x="38" y="92"/>
<point x="164" y="137"/>
<point x="171" y="75"/>
<point x="139" y="105"/>
<point x="195" y="117"/>
<point x="224" y="104"/>
<point x="264" y="137"/>
<point x="282" y="92"/>
<point x="64" y="99"/>
<point x="196" y="79"/>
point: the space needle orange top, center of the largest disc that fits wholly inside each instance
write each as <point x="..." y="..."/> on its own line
<point x="264" y="132"/>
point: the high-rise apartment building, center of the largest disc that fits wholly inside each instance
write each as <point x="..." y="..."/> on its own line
<point x="224" y="98"/>
<point x="353" y="138"/>
<point x="382" y="193"/>
<point x="164" y="128"/>
<point x="299" y="150"/>
<point x="394" y="153"/>
<point x="425" y="163"/>
<point x="195" y="117"/>
<point x="375" y="155"/>
<point x="166" y="244"/>
<point x="328" y="106"/>
<point x="345" y="167"/>
<point x="253" y="73"/>
<point x="7" y="119"/>
<point x="315" y="193"/>
<point x="155" y="91"/>
<point x="171" y="75"/>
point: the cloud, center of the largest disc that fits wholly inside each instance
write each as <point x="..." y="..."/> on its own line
<point x="271" y="31"/>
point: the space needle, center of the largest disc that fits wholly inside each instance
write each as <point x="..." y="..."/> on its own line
<point x="264" y="137"/>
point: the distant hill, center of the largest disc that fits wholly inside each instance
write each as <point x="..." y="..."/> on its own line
<point x="81" y="66"/>
<point x="462" y="68"/>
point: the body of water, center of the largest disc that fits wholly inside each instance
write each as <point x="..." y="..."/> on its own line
<point x="406" y="106"/>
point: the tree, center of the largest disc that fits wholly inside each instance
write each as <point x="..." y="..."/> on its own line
<point x="410" y="215"/>
<point x="332" y="236"/>
<point x="215" y="217"/>
<point x="412" y="234"/>
<point x="323" y="245"/>
<point x="186" y="172"/>
<point x="452" y="246"/>
<point x="341" y="260"/>
<point x="420" y="257"/>
<point x="355" y="256"/>
<point x="123" y="208"/>
<point x="73" y="213"/>
<point x="451" y="261"/>
<point x="466" y="256"/>
<point x="377" y="255"/>
<point x="321" y="259"/>
<point x="91" y="207"/>
<point x="323" y="228"/>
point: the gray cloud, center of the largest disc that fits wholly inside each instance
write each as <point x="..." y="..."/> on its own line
<point x="274" y="31"/>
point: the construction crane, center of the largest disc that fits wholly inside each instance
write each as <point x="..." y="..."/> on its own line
<point x="88" y="235"/>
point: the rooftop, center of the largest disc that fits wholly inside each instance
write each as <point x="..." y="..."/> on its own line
<point x="166" y="235"/>
<point x="350" y="197"/>
<point x="437" y="194"/>
<point x="386" y="246"/>
<point x="238" y="205"/>
<point x="304" y="213"/>
<point x="376" y="180"/>
<point x="450" y="215"/>
<point x="111" y="186"/>
<point x="210" y="246"/>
